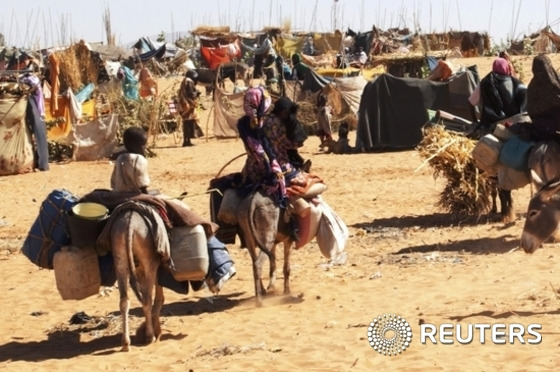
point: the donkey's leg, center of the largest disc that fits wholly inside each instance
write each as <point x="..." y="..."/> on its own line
<point x="261" y="259"/>
<point x="147" y="288"/>
<point x="124" y="306"/>
<point x="506" y="201"/>
<point x="272" y="271"/>
<point x="156" y="311"/>
<point x="287" y="251"/>
<point x="257" y="278"/>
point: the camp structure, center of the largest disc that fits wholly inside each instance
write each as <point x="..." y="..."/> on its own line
<point x="19" y="122"/>
<point x="393" y="110"/>
<point x="343" y="94"/>
<point x="217" y="45"/>
<point x="543" y="41"/>
<point x="75" y="115"/>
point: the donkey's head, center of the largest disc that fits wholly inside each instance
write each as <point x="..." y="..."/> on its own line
<point x="543" y="216"/>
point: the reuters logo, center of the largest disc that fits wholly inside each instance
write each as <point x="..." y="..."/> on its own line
<point x="389" y="334"/>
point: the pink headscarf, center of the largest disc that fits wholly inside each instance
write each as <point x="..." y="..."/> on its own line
<point x="501" y="66"/>
<point x="252" y="103"/>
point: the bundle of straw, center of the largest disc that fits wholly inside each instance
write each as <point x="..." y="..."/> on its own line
<point x="468" y="190"/>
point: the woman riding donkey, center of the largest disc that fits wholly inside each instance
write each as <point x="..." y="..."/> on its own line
<point x="273" y="163"/>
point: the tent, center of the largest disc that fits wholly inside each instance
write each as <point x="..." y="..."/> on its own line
<point x="16" y="146"/>
<point x="393" y="110"/>
<point x="344" y="97"/>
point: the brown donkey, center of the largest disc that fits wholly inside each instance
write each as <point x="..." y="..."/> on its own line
<point x="137" y="260"/>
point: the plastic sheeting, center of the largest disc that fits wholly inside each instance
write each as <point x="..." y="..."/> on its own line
<point x="94" y="140"/>
<point x="16" y="149"/>
<point x="393" y="110"/>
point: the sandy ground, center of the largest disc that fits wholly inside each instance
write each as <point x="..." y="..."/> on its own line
<point x="405" y="257"/>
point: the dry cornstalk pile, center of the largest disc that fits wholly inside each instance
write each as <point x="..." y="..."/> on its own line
<point x="70" y="75"/>
<point x="468" y="190"/>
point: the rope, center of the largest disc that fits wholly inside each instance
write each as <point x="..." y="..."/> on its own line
<point x="228" y="163"/>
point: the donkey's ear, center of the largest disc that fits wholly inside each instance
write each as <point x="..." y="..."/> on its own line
<point x="536" y="178"/>
<point x="553" y="185"/>
<point x="551" y="191"/>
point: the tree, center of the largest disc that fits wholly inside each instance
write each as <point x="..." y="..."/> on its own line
<point x="161" y="37"/>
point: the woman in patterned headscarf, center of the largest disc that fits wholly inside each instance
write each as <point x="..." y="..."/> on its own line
<point x="261" y="167"/>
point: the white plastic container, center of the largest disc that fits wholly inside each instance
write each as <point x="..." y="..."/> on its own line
<point x="189" y="253"/>
<point x="76" y="271"/>
<point x="486" y="153"/>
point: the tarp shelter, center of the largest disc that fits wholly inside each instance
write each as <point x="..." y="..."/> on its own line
<point x="286" y="45"/>
<point x="94" y="139"/>
<point x="21" y="126"/>
<point x="218" y="50"/>
<point x="393" y="110"/>
<point x="16" y="147"/>
<point x="147" y="49"/>
<point x="228" y="108"/>
<point x="111" y="52"/>
<point x="327" y="42"/>
<point x="344" y="96"/>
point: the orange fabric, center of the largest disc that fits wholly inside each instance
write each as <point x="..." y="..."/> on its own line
<point x="55" y="83"/>
<point x="300" y="184"/>
<point x="148" y="86"/>
<point x="215" y="56"/>
<point x="61" y="130"/>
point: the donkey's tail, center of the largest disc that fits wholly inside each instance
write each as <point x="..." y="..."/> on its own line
<point x="134" y="284"/>
<point x="258" y="237"/>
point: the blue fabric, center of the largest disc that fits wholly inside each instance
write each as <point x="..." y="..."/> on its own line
<point x="129" y="84"/>
<point x="515" y="153"/>
<point x="432" y="62"/>
<point x="49" y="233"/>
<point x="84" y="94"/>
<point x="39" y="128"/>
<point x="220" y="261"/>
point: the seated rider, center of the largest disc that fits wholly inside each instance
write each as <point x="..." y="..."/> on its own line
<point x="261" y="166"/>
<point x="501" y="94"/>
<point x="130" y="173"/>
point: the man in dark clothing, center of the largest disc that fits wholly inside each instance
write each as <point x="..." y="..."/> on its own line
<point x="188" y="104"/>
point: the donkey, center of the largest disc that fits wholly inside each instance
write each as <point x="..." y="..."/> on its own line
<point x="543" y="214"/>
<point x="136" y="261"/>
<point x="263" y="227"/>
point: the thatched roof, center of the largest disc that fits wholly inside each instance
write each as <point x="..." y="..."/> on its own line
<point x="212" y="31"/>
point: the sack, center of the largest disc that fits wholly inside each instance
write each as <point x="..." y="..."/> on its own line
<point x="515" y="153"/>
<point x="511" y="179"/>
<point x="76" y="272"/>
<point x="50" y="230"/>
<point x="227" y="232"/>
<point x="166" y="279"/>
<point x="229" y="206"/>
<point x="332" y="232"/>
<point x="308" y="225"/>
<point x="315" y="189"/>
